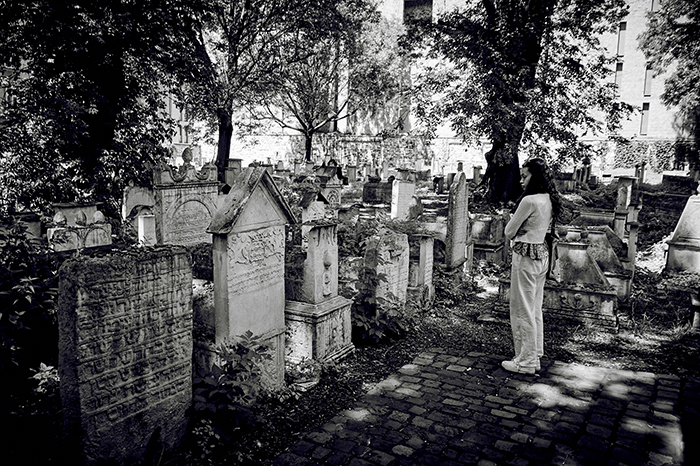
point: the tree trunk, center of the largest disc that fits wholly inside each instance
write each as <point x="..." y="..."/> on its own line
<point x="224" y="146"/>
<point x="308" y="146"/>
<point x="502" y="175"/>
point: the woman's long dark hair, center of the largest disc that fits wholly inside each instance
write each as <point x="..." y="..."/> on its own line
<point x="542" y="182"/>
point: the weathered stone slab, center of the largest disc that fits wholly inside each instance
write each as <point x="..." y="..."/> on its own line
<point x="388" y="254"/>
<point x="320" y="331"/>
<point x="125" y="353"/>
<point x="248" y="253"/>
<point x="401" y="198"/>
<point x="684" y="246"/>
<point x="185" y="201"/>
<point x="457" y="223"/>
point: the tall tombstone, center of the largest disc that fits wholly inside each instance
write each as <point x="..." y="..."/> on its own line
<point x="420" y="270"/>
<point x="185" y="202"/>
<point x="318" y="319"/>
<point x="388" y="255"/>
<point x="233" y="166"/>
<point x="248" y="255"/>
<point x="625" y="184"/>
<point x="401" y="195"/>
<point x="457" y="223"/>
<point x="684" y="245"/>
<point x="352" y="173"/>
<point x="125" y="353"/>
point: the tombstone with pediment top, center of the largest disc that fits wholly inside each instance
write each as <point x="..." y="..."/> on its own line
<point x="248" y="255"/>
<point x="185" y="201"/>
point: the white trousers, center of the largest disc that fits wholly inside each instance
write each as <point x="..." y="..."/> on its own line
<point x="527" y="277"/>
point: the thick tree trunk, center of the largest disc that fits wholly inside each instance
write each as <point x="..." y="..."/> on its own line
<point x="224" y="146"/>
<point x="308" y="147"/>
<point x="502" y="174"/>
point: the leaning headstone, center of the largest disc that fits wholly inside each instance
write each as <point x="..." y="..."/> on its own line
<point x="185" y="202"/>
<point x="457" y="223"/>
<point x="125" y="353"/>
<point x="684" y="245"/>
<point x="248" y="251"/>
<point x="401" y="194"/>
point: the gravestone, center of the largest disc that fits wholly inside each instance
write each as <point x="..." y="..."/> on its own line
<point x="185" y="202"/>
<point x="388" y="255"/>
<point x="317" y="318"/>
<point x="580" y="292"/>
<point x="401" y="195"/>
<point x="420" y="271"/>
<point x="147" y="229"/>
<point x="684" y="245"/>
<point x="125" y="353"/>
<point x="78" y="227"/>
<point x="457" y="223"/>
<point x="377" y="192"/>
<point x="248" y="253"/>
<point x="352" y="173"/>
<point x="233" y="167"/>
<point x="489" y="243"/>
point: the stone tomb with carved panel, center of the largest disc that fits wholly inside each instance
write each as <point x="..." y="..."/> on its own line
<point x="125" y="353"/>
<point x="249" y="235"/>
<point x="185" y="202"/>
<point x="318" y="319"/>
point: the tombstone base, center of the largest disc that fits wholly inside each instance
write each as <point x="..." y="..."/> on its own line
<point x="320" y="331"/>
<point x="422" y="295"/>
<point x="683" y="256"/>
<point x="593" y="307"/>
<point x="489" y="252"/>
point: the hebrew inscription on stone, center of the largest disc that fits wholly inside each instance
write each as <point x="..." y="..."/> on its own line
<point x="125" y="351"/>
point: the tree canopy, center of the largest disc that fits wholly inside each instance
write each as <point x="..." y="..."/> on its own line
<point x="672" y="42"/>
<point x="354" y="68"/>
<point x="82" y="113"/>
<point x="529" y="77"/>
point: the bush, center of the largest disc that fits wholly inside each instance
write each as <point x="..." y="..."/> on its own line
<point x="227" y="390"/>
<point x="28" y="287"/>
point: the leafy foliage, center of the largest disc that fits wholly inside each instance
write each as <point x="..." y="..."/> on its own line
<point x="83" y="110"/>
<point x="346" y="63"/>
<point x="672" y="42"/>
<point x="529" y="77"/>
<point x="28" y="285"/>
<point x="226" y="391"/>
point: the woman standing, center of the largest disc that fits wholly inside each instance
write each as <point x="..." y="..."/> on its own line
<point x="536" y="209"/>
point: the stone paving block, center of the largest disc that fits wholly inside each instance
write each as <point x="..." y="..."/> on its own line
<point x="343" y="445"/>
<point x="359" y="462"/>
<point x="319" y="437"/>
<point x="598" y="431"/>
<point x="627" y="456"/>
<point x="320" y="452"/>
<point x="468" y="458"/>
<point x="410" y="369"/>
<point x="503" y="414"/>
<point x="290" y="459"/>
<point x="509" y="424"/>
<point x="337" y="458"/>
<point x="402" y="450"/>
<point x="302" y="447"/>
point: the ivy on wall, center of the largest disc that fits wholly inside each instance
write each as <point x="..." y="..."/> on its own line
<point x="658" y="155"/>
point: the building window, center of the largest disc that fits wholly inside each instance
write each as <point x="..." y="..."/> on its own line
<point x="618" y="74"/>
<point x="621" y="33"/>
<point x="648" y="75"/>
<point x="644" y="127"/>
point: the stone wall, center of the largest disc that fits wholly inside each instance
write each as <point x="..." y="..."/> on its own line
<point x="125" y="352"/>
